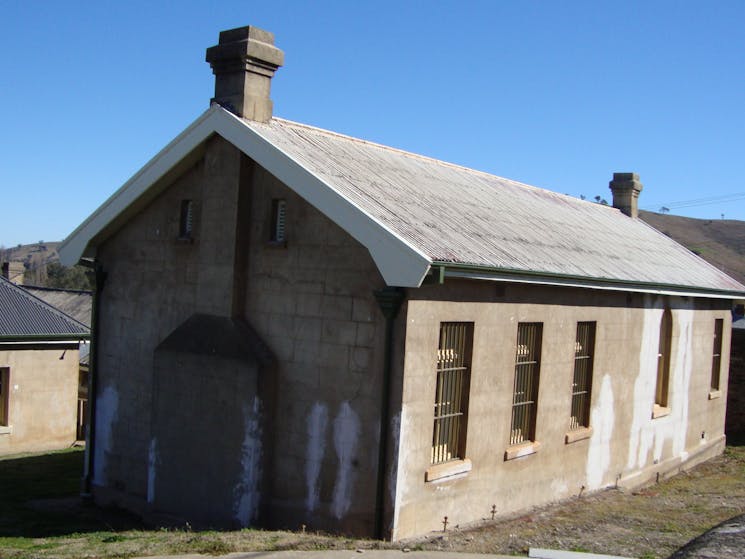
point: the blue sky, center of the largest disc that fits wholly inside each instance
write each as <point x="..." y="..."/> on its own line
<point x="555" y="94"/>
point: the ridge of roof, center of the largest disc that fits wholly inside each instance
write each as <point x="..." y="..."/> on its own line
<point x="28" y="286"/>
<point x="420" y="157"/>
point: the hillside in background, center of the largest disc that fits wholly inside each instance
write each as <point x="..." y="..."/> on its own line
<point x="38" y="264"/>
<point x="720" y="242"/>
<point x="34" y="257"/>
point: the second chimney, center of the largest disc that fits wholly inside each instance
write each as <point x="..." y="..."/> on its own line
<point x="244" y="63"/>
<point x="626" y="188"/>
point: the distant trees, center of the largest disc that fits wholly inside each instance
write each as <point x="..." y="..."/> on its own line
<point x="63" y="277"/>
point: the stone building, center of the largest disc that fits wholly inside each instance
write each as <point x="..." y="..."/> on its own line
<point x="293" y="327"/>
<point x="38" y="372"/>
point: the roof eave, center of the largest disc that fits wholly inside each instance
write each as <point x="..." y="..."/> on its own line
<point x="44" y="338"/>
<point x="78" y="243"/>
<point x="488" y="273"/>
<point x="399" y="262"/>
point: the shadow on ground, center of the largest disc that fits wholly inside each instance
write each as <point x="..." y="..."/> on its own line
<point x="40" y="498"/>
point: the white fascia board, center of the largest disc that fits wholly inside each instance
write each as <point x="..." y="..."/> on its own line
<point x="75" y="245"/>
<point x="400" y="263"/>
<point x="559" y="282"/>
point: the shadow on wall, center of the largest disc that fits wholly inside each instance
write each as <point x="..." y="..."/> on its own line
<point x="735" y="422"/>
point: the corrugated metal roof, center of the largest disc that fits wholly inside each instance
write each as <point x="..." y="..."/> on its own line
<point x="458" y="215"/>
<point x="74" y="303"/>
<point x="23" y="315"/>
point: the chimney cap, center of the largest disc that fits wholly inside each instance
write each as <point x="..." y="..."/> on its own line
<point x="626" y="188"/>
<point x="246" y="44"/>
<point x="244" y="63"/>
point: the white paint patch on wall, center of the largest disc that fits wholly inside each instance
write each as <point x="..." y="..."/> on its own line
<point x="400" y="486"/>
<point x="247" y="493"/>
<point x="602" y="418"/>
<point x="674" y="427"/>
<point x="152" y="466"/>
<point x="314" y="452"/>
<point x="346" y="437"/>
<point x="640" y="437"/>
<point x="559" y="487"/>
<point x="107" y="406"/>
<point x="653" y="434"/>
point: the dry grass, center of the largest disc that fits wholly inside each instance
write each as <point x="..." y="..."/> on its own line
<point x="40" y="517"/>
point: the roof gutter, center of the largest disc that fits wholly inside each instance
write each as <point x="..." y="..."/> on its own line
<point x="442" y="270"/>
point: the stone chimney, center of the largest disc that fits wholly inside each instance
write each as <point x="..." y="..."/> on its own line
<point x="626" y="188"/>
<point x="244" y="63"/>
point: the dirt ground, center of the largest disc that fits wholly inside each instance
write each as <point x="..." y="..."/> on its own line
<point x="649" y="523"/>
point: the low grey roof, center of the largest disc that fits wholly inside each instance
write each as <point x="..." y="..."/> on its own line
<point x="462" y="216"/>
<point x="74" y="303"/>
<point x="23" y="316"/>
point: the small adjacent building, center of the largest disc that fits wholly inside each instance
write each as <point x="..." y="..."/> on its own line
<point x="39" y="372"/>
<point x="297" y="327"/>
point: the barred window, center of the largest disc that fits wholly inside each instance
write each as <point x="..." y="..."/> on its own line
<point x="527" y="374"/>
<point x="584" y="353"/>
<point x="451" y="398"/>
<point x="186" y="219"/>
<point x="661" y="397"/>
<point x="716" y="361"/>
<point x="279" y="218"/>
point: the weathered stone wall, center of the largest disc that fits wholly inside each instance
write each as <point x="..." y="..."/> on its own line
<point x="312" y="303"/>
<point x="735" y="427"/>
<point x="150" y="289"/>
<point x="43" y="398"/>
<point x="627" y="446"/>
<point x="309" y="300"/>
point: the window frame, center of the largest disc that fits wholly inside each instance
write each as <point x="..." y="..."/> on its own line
<point x="582" y="381"/>
<point x="278" y="230"/>
<point x="527" y="358"/>
<point x="664" y="353"/>
<point x="186" y="220"/>
<point x="5" y="390"/>
<point x="716" y="359"/>
<point x="450" y="418"/>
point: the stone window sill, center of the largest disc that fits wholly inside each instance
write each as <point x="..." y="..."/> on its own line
<point x="448" y="469"/>
<point x="714" y="394"/>
<point x="6" y="429"/>
<point x="660" y="411"/>
<point x="520" y="450"/>
<point x="185" y="240"/>
<point x="578" y="435"/>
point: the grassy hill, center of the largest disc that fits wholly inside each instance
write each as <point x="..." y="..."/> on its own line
<point x="34" y="258"/>
<point x="720" y="242"/>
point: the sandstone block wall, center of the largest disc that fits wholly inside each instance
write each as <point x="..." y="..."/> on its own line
<point x="309" y="300"/>
<point x="43" y="398"/>
<point x="626" y="446"/>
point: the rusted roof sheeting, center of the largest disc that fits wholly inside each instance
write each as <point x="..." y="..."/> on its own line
<point x="458" y="215"/>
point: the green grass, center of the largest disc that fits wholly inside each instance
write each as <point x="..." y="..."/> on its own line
<point x="42" y="517"/>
